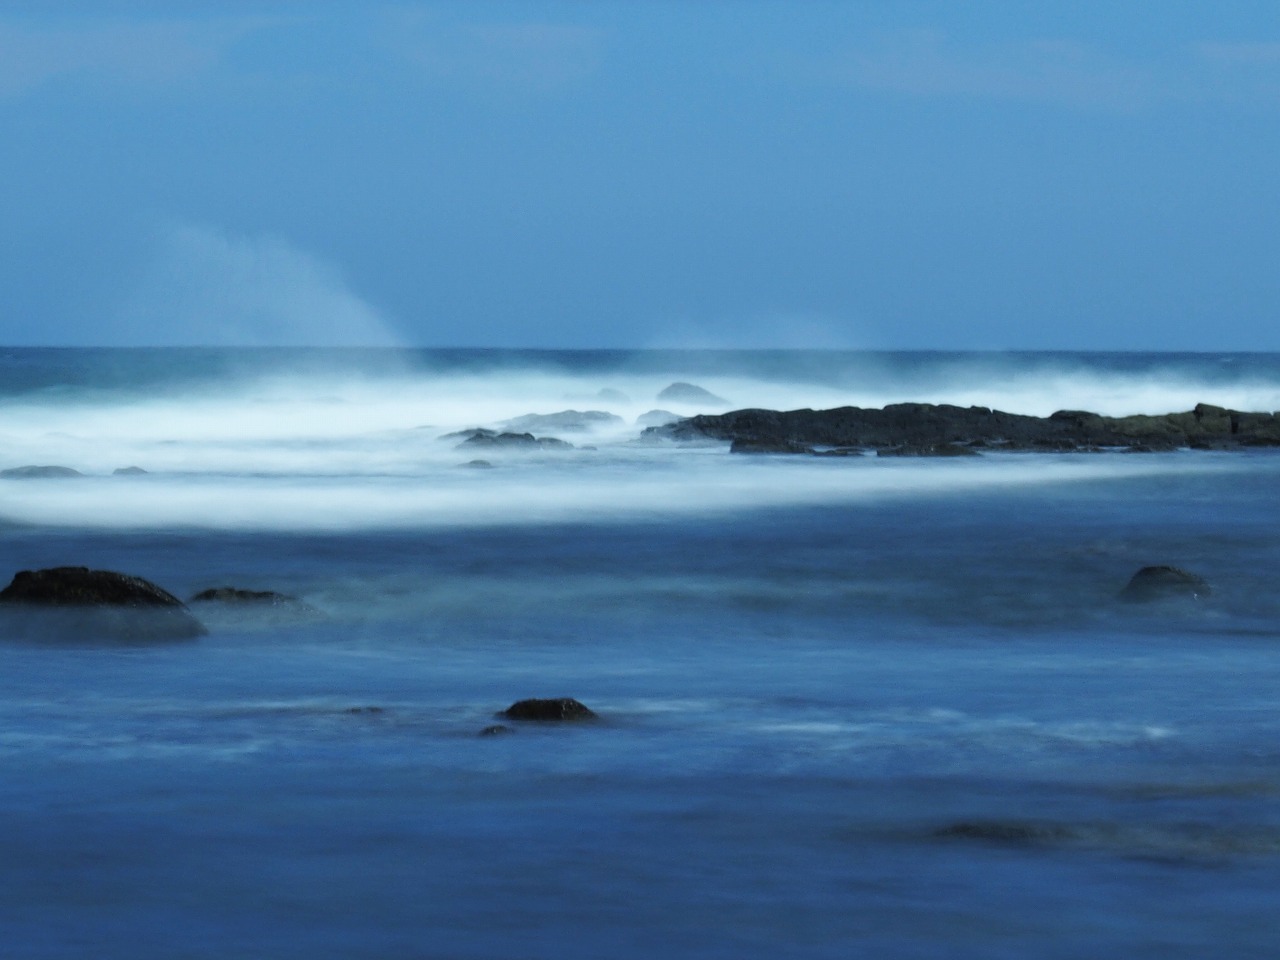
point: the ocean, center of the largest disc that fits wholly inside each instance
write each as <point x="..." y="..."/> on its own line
<point x="848" y="707"/>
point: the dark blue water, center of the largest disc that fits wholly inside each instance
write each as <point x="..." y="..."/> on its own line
<point x="848" y="708"/>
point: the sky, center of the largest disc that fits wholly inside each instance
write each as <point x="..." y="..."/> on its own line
<point x="867" y="174"/>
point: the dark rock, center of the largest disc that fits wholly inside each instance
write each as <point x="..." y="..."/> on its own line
<point x="928" y="450"/>
<point x="78" y="604"/>
<point x="769" y="446"/>
<point x="366" y="711"/>
<point x="681" y="392"/>
<point x="477" y="464"/>
<point x="561" y="708"/>
<point x="39" y="473"/>
<point x="572" y="420"/>
<point x="657" y="418"/>
<point x="839" y="452"/>
<point x="923" y="425"/>
<point x="514" y="441"/>
<point x="1163" y="583"/>
<point x="236" y="595"/>
<point x="276" y="607"/>
<point x="495" y="730"/>
<point x="469" y="434"/>
<point x="128" y="471"/>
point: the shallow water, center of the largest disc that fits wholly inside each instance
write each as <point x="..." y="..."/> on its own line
<point x="848" y="708"/>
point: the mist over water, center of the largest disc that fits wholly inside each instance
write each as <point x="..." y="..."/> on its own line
<point x="849" y="706"/>
<point x="309" y="439"/>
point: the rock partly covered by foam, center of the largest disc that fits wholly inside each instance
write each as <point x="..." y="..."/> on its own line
<point x="35" y="472"/>
<point x="483" y="437"/>
<point x="1164" y="583"/>
<point x="938" y="428"/>
<point x="81" y="605"/>
<point x="235" y="605"/>
<point x="690" y="393"/>
<point x="559" y="708"/>
<point x="574" y="421"/>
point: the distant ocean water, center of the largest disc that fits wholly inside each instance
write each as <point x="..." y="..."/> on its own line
<point x="850" y="707"/>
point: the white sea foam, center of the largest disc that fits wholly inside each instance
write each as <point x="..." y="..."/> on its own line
<point x="339" y="451"/>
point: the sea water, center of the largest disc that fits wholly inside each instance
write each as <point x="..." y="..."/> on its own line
<point x="849" y="707"/>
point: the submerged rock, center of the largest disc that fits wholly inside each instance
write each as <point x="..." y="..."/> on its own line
<point x="514" y="441"/>
<point x="495" y="730"/>
<point x="681" y="392"/>
<point x="573" y="420"/>
<point x="32" y="472"/>
<point x="277" y="606"/>
<point x="928" y="450"/>
<point x="1162" y="583"/>
<point x="77" y="604"/>
<point x="560" y="708"/>
<point x="769" y="446"/>
<point x="236" y="595"/>
<point x="657" y="418"/>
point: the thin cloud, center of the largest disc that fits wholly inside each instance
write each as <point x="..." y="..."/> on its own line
<point x="512" y="60"/>
<point x="154" y="53"/>
<point x="929" y="64"/>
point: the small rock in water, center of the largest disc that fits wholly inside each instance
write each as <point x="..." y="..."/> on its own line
<point x="277" y="605"/>
<point x="681" y="392"/>
<point x="1164" y="582"/>
<point x="128" y="471"/>
<point x="769" y="446"/>
<point x="572" y="420"/>
<point x="477" y="465"/>
<point x="560" y="708"/>
<point x="32" y="472"/>
<point x="78" y="604"/>
<point x="657" y="418"/>
<point x="236" y="595"/>
<point x="495" y="730"/>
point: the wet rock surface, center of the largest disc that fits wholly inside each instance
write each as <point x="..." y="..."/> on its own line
<point x="485" y="438"/>
<point x="1152" y="584"/>
<point x="577" y="421"/>
<point x="681" y="392"/>
<point x="559" y="708"/>
<point x="240" y="607"/>
<point x="939" y="427"/>
<point x="76" y="604"/>
<point x="34" y="472"/>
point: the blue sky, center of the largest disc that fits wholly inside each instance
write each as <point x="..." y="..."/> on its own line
<point x="943" y="175"/>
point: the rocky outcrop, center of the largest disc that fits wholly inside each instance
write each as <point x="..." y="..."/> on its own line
<point x="33" y="472"/>
<point x="657" y="418"/>
<point x="76" y="604"/>
<point x="234" y="605"/>
<point x="690" y="393"/>
<point x="769" y="446"/>
<point x="482" y="437"/>
<point x="928" y="450"/>
<point x="919" y="427"/>
<point x="1164" y="583"/>
<point x="574" y="421"/>
<point x="560" y="708"/>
